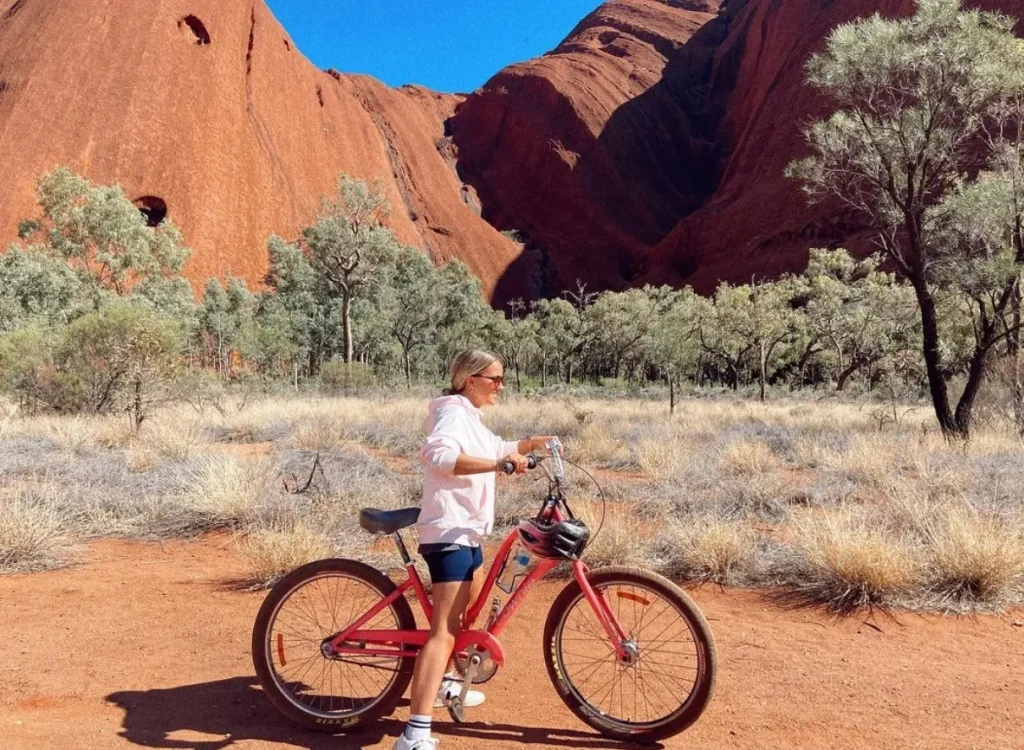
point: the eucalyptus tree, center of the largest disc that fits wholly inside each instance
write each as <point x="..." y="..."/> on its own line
<point x="222" y="318"/>
<point x="102" y="234"/>
<point x="755" y="321"/>
<point x="623" y="322"/>
<point x="515" y="337"/>
<point x="348" y="245"/>
<point x="856" y="314"/>
<point x="299" y="307"/>
<point x="672" y="342"/>
<point x="924" y="147"/>
<point x="38" y="289"/>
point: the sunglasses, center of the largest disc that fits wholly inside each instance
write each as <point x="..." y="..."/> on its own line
<point x="495" y="379"/>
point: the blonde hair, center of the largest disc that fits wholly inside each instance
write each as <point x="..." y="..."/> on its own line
<point x="469" y="363"/>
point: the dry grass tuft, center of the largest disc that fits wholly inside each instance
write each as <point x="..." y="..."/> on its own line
<point x="867" y="462"/>
<point x="706" y="550"/>
<point x="33" y="533"/>
<point x="662" y="459"/>
<point x="272" y="553"/>
<point x="174" y="438"/>
<point x="227" y="492"/>
<point x="843" y="564"/>
<point x="748" y="458"/>
<point x="142" y="459"/>
<point x="321" y="434"/>
<point x="973" y="558"/>
<point x="597" y="445"/>
<point x="623" y="539"/>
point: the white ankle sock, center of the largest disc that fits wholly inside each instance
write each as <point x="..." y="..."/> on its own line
<point x="418" y="728"/>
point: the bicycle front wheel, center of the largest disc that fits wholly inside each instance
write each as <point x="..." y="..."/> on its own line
<point x="665" y="682"/>
<point x="329" y="693"/>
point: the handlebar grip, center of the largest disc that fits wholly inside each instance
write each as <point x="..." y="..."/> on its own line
<point x="507" y="467"/>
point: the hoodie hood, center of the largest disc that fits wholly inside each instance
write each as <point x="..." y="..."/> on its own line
<point x="434" y="409"/>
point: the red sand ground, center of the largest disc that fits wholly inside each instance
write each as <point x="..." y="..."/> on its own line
<point x="148" y="645"/>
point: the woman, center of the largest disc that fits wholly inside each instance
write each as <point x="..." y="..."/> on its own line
<point x="457" y="512"/>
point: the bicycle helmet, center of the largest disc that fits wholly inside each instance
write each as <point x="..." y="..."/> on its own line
<point x="566" y="539"/>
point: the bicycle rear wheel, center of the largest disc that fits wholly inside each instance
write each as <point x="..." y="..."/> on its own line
<point x="321" y="693"/>
<point x="666" y="683"/>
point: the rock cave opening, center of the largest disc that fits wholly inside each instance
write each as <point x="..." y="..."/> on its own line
<point x="154" y="209"/>
<point x="197" y="27"/>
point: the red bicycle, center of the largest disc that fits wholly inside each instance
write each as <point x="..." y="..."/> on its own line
<point x="628" y="651"/>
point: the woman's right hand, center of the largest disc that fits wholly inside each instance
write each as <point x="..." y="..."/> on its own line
<point x="518" y="460"/>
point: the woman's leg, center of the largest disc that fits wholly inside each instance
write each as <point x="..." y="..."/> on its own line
<point x="450" y="601"/>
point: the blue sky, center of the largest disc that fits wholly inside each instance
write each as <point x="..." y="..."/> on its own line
<point x="452" y="46"/>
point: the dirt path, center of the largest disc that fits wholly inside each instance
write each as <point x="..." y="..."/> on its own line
<point x="148" y="646"/>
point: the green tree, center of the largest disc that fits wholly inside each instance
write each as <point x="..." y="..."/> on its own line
<point x="122" y="357"/>
<point x="923" y="103"/>
<point x="102" y="234"/>
<point x="348" y="244"/>
<point x="623" y="323"/>
<point x="36" y="288"/>
<point x="856" y="313"/>
<point x="222" y="316"/>
<point x="297" y="306"/>
<point x="413" y="304"/>
<point x="673" y="345"/>
<point x="515" y="337"/>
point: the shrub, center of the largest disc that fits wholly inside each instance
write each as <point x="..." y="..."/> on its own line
<point x="973" y="558"/>
<point x="843" y="564"/>
<point x="32" y="534"/>
<point x="273" y="552"/>
<point x="706" y="549"/>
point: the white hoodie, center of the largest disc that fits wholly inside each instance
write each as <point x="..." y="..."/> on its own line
<point x="457" y="509"/>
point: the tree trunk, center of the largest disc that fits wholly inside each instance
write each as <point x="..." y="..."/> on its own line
<point x="761" y="376"/>
<point x="937" y="385"/>
<point x="671" y="394"/>
<point x="346" y="324"/>
<point x="965" y="407"/>
<point x="568" y="373"/>
<point x="519" y="385"/>
<point x="1013" y="348"/>
<point x="544" y="371"/>
<point x="138" y="414"/>
<point x="408" y="369"/>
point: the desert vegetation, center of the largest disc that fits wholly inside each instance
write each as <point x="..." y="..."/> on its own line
<point x="807" y="499"/>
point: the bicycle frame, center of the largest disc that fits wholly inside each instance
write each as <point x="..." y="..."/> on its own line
<point x="354" y="641"/>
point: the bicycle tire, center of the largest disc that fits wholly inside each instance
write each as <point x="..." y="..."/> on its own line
<point x="263" y="647"/>
<point x="555" y="649"/>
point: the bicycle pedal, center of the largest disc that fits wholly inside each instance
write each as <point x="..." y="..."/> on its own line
<point x="455" y="709"/>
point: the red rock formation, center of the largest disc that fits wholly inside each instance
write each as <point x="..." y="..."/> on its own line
<point x="582" y="152"/>
<point x="650" y="145"/>
<point x="209" y="107"/>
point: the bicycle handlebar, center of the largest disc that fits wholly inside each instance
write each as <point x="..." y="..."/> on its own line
<point x="508" y="467"/>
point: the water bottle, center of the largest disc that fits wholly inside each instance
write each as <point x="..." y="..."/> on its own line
<point x="515" y="565"/>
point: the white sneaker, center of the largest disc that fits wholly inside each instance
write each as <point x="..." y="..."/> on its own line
<point x="450" y="688"/>
<point x="428" y="743"/>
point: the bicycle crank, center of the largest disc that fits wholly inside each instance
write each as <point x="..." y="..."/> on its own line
<point x="487" y="669"/>
<point x="457" y="704"/>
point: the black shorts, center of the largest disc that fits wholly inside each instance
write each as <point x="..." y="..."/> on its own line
<point x="450" y="563"/>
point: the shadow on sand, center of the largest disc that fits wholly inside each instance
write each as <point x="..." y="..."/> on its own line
<point x="215" y="715"/>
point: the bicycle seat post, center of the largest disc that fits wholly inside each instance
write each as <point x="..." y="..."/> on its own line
<point x="400" y="543"/>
